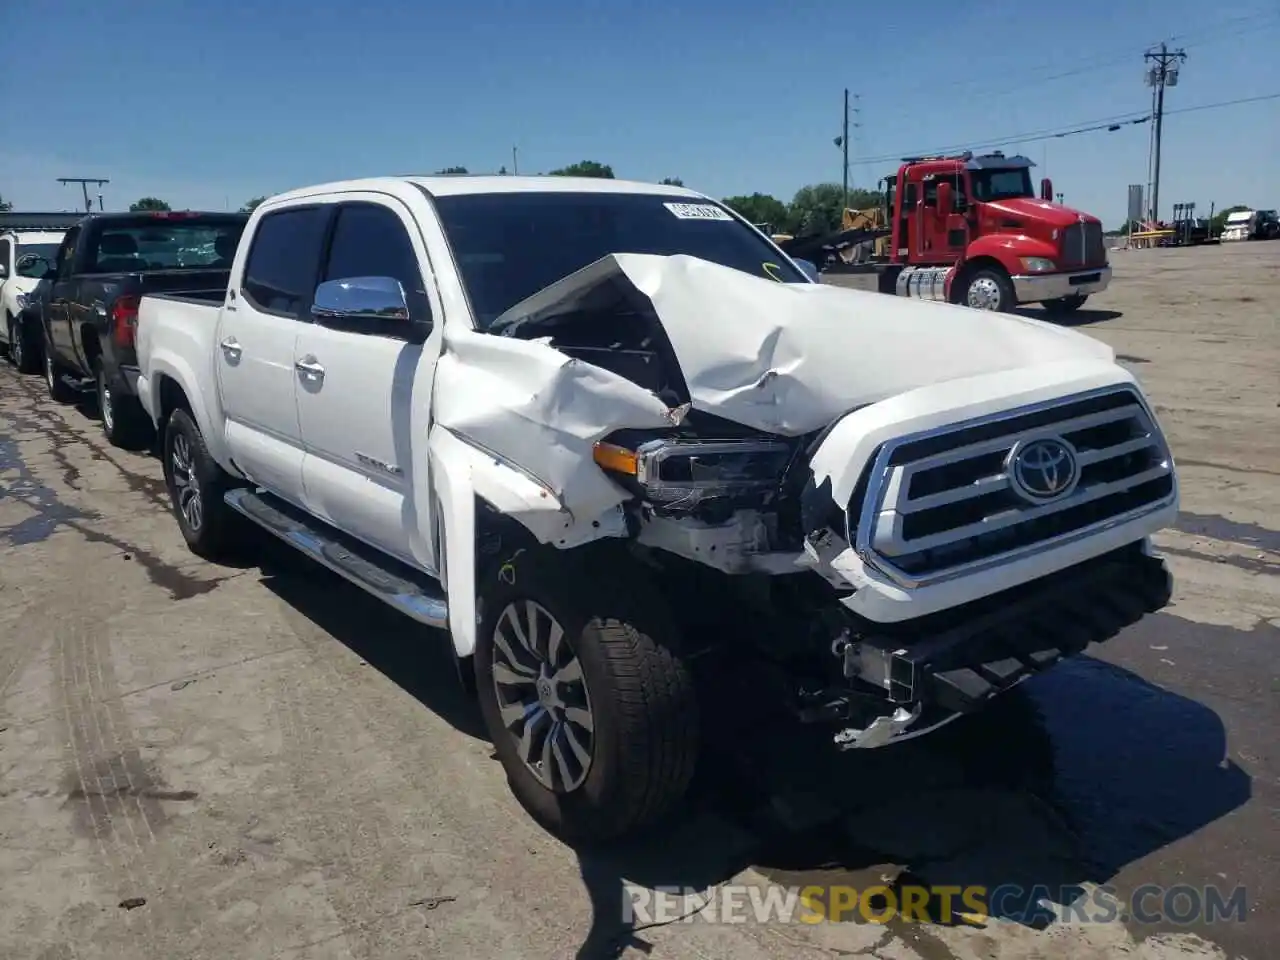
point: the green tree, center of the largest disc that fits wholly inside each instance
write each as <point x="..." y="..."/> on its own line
<point x="148" y="203"/>
<point x="451" y="171"/>
<point x="819" y="208"/>
<point x="251" y="205"/>
<point x="671" y="182"/>
<point x="585" y="168"/>
<point x="5" y="205"/>
<point x="761" y="208"/>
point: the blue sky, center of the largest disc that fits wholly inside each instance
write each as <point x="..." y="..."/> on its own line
<point x="207" y="104"/>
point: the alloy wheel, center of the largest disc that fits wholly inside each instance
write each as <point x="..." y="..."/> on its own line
<point x="186" y="485"/>
<point x="542" y="695"/>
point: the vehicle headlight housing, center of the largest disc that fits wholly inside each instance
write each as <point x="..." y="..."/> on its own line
<point x="22" y="301"/>
<point x="685" y="473"/>
<point x="1037" y="264"/>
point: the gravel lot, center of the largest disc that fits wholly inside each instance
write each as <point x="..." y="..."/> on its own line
<point x="280" y="767"/>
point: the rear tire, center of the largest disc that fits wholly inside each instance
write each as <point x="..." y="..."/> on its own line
<point x="124" y="422"/>
<point x="989" y="289"/>
<point x="598" y="731"/>
<point x="1064" y="305"/>
<point x="24" y="349"/>
<point x="196" y="484"/>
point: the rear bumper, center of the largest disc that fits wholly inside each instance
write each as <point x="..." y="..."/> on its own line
<point x="129" y="379"/>
<point x="1033" y="288"/>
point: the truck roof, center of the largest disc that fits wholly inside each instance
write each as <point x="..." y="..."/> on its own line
<point x="461" y="184"/>
<point x="12" y="222"/>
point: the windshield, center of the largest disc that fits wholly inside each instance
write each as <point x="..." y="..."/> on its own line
<point x="166" y="244"/>
<point x="1001" y="184"/>
<point x="35" y="258"/>
<point x="511" y="245"/>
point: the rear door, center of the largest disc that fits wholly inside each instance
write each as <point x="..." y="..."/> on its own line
<point x="254" y="355"/>
<point x="364" y="390"/>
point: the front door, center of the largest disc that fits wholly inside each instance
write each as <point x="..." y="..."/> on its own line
<point x="364" y="390"/>
<point x="256" y="345"/>
<point x="57" y="302"/>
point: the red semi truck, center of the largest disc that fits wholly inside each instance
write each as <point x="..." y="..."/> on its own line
<point x="970" y="230"/>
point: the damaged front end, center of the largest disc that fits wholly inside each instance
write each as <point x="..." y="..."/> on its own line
<point x="712" y="422"/>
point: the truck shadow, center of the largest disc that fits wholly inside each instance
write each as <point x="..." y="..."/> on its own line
<point x="1081" y="318"/>
<point x="1080" y="772"/>
<point x="1065" y="781"/>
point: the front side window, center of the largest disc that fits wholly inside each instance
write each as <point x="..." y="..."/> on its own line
<point x="280" y="276"/>
<point x="508" y="246"/>
<point x="369" y="240"/>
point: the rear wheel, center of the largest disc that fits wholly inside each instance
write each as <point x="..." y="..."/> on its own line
<point x="24" y="351"/>
<point x="990" y="289"/>
<point x="1064" y="305"/>
<point x="124" y="422"/>
<point x="591" y="710"/>
<point x="196" y="484"/>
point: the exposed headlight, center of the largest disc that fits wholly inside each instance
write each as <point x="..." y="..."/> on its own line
<point x="1037" y="264"/>
<point x="687" y="472"/>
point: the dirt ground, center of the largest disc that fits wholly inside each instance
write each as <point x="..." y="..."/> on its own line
<point x="210" y="762"/>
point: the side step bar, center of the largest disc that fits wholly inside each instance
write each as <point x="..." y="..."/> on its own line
<point x="413" y="593"/>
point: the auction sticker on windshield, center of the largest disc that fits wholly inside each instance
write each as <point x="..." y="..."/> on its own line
<point x="697" y="211"/>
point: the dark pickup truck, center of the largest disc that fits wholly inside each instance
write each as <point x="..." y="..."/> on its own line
<point x="89" y="306"/>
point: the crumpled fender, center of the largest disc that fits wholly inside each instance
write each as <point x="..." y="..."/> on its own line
<point x="515" y="425"/>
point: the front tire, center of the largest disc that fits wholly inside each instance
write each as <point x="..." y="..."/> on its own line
<point x="592" y="711"/>
<point x="59" y="392"/>
<point x="990" y="289"/>
<point x="1064" y="305"/>
<point x="196" y="484"/>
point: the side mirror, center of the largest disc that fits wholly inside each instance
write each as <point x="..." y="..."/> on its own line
<point x="809" y="269"/>
<point x="4" y="271"/>
<point x="375" y="303"/>
<point x="1046" y="189"/>
<point x="946" y="199"/>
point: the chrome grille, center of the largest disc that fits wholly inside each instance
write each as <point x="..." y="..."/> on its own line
<point x="1083" y="245"/>
<point x="941" y="504"/>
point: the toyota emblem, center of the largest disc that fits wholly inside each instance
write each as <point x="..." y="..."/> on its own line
<point x="1043" y="470"/>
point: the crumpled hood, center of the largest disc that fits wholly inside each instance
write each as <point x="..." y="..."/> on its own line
<point x="19" y="284"/>
<point x="790" y="358"/>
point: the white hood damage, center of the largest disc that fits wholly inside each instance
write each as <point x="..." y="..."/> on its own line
<point x="790" y="358"/>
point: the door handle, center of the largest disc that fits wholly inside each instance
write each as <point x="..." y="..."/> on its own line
<point x="231" y="347"/>
<point x="309" y="366"/>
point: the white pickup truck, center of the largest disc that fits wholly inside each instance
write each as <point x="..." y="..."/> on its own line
<point x="595" y="430"/>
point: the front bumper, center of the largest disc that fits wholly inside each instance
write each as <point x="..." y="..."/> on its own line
<point x="1034" y="288"/>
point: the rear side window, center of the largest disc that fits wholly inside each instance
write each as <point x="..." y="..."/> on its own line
<point x="284" y="260"/>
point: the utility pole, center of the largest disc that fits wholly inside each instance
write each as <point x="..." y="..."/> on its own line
<point x="843" y="141"/>
<point x="515" y="164"/>
<point x="1162" y="73"/>
<point x="84" y="186"/>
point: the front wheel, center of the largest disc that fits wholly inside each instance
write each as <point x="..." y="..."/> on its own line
<point x="990" y="289"/>
<point x="59" y="391"/>
<point x="1064" y="305"/>
<point x="591" y="709"/>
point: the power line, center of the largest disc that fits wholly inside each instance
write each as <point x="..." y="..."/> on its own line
<point x="1109" y="124"/>
<point x="1007" y="83"/>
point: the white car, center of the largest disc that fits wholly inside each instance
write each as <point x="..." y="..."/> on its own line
<point x="25" y="256"/>
<point x="597" y="430"/>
